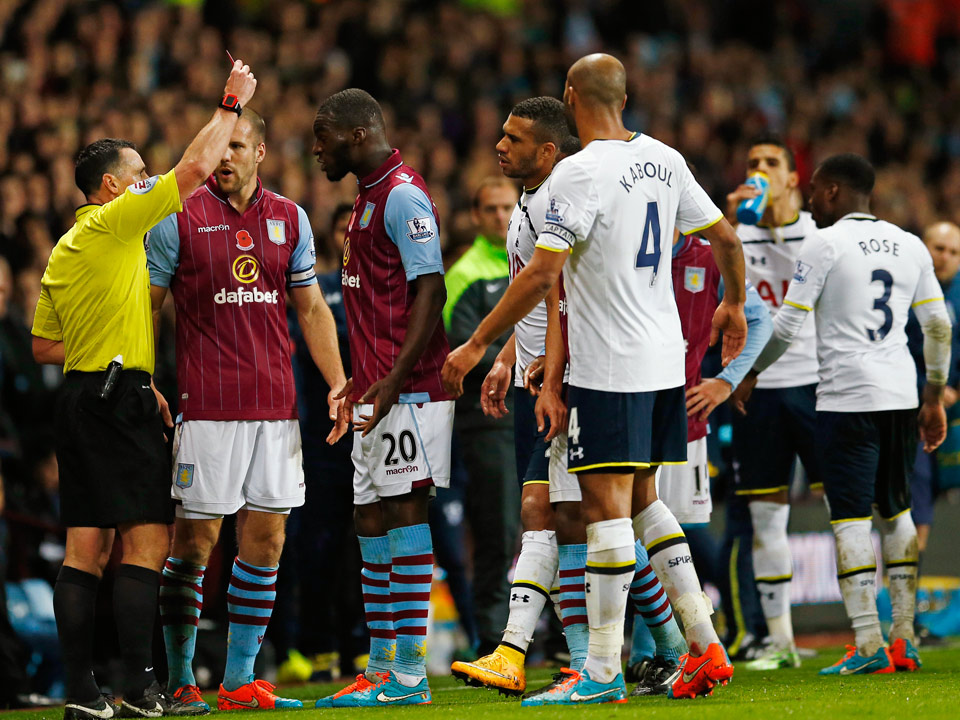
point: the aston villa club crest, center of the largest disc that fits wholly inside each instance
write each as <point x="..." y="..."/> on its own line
<point x="693" y="279"/>
<point x="244" y="240"/>
<point x="184" y="475"/>
<point x="277" y="231"/>
<point x="367" y="214"/>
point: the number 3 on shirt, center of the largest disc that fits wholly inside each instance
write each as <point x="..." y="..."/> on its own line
<point x="878" y="334"/>
<point x="650" y="257"/>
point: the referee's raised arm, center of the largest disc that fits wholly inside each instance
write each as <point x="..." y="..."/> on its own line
<point x="203" y="154"/>
<point x="94" y="317"/>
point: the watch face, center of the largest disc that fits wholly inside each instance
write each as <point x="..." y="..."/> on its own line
<point x="230" y="100"/>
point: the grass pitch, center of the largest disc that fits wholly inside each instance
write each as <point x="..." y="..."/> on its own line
<point x="931" y="693"/>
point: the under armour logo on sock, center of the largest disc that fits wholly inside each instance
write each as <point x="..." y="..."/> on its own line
<point x="586" y="587"/>
<point x="517" y="598"/>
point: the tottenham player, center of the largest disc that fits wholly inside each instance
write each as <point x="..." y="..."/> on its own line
<point x="394" y="294"/>
<point x="228" y="259"/>
<point x="627" y="409"/>
<point x="861" y="276"/>
<point x="685" y="489"/>
<point x="534" y="135"/>
<point x="777" y="425"/>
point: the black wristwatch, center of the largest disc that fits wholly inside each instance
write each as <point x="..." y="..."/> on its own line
<point x="230" y="102"/>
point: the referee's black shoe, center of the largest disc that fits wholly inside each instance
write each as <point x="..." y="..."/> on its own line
<point x="102" y="708"/>
<point x="157" y="702"/>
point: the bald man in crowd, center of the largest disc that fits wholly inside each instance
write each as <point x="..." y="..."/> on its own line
<point x="943" y="241"/>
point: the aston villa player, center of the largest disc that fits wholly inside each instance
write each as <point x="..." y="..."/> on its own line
<point x="229" y="259"/>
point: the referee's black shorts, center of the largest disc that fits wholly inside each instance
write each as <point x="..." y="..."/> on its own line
<point x="114" y="465"/>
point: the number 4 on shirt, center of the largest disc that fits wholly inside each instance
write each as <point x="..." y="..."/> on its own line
<point x="648" y="257"/>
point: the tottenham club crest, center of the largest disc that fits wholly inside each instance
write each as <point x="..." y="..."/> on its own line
<point x="421" y="229"/>
<point x="277" y="231"/>
<point x="693" y="279"/>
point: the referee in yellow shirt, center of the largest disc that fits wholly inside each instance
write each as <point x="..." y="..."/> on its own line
<point x="114" y="470"/>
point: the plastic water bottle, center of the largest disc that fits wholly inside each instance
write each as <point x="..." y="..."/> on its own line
<point x="750" y="210"/>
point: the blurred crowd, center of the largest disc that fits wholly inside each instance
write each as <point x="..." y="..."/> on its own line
<point x="881" y="78"/>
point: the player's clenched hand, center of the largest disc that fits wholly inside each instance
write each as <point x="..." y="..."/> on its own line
<point x="533" y="375"/>
<point x="702" y="399"/>
<point x="458" y="363"/>
<point x="730" y="320"/>
<point x="241" y="83"/>
<point x="493" y="392"/>
<point x="932" y="424"/>
<point x="741" y="395"/>
<point x="335" y="401"/>
<point x="551" y="407"/>
<point x="384" y="394"/>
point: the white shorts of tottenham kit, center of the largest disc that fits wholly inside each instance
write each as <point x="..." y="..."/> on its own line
<point x="409" y="448"/>
<point x="685" y="489"/>
<point x="564" y="486"/>
<point x="221" y="466"/>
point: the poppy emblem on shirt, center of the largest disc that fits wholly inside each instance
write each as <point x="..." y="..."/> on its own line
<point x="367" y="214"/>
<point x="244" y="240"/>
<point x="184" y="475"/>
<point x="277" y="231"/>
<point x="693" y="279"/>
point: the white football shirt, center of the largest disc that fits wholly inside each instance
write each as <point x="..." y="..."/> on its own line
<point x="615" y="205"/>
<point x="525" y="225"/>
<point x="770" y="255"/>
<point x="861" y="276"/>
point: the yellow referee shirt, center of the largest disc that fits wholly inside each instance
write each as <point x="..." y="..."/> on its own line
<point x="95" y="292"/>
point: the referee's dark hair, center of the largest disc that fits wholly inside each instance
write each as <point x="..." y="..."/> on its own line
<point x="776" y="141"/>
<point x="351" y="108"/>
<point x="848" y="169"/>
<point x="97" y="158"/>
<point x="549" y="119"/>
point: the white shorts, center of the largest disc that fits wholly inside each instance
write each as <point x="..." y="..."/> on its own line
<point x="409" y="448"/>
<point x="564" y="486"/>
<point x="221" y="466"/>
<point x="685" y="489"/>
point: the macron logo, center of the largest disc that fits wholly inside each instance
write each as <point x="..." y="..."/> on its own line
<point x="213" y="228"/>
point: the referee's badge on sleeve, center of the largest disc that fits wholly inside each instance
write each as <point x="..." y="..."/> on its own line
<point x="693" y="279"/>
<point x="277" y="231"/>
<point x="184" y="475"/>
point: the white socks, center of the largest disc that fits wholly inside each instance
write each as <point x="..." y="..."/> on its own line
<point x="532" y="582"/>
<point x="900" y="555"/>
<point x="773" y="567"/>
<point x="610" y="565"/>
<point x="857" y="573"/>
<point x="673" y="564"/>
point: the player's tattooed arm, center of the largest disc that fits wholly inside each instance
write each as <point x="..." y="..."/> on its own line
<point x="729" y="317"/>
<point x="529" y="287"/>
<point x="551" y="408"/>
<point x="425" y="313"/>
